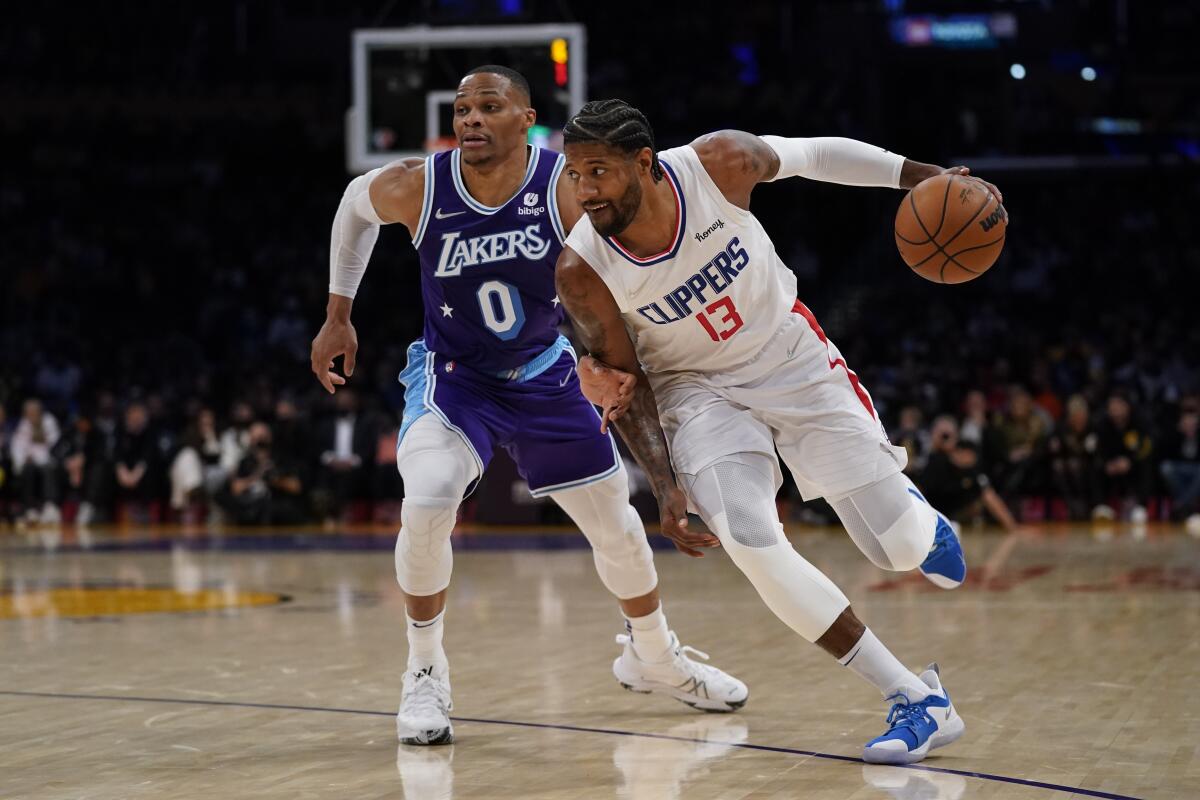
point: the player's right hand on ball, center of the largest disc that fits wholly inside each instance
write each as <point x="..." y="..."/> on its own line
<point x="336" y="338"/>
<point x="672" y="510"/>
<point x="966" y="172"/>
<point x="606" y="387"/>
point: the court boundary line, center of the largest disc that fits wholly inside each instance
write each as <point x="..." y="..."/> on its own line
<point x="579" y="729"/>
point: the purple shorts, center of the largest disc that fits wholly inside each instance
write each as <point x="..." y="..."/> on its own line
<point x="537" y="413"/>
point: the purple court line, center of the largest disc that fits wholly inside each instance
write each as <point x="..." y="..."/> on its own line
<point x="578" y="729"/>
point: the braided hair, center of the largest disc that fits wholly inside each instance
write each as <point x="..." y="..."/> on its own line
<point x="614" y="123"/>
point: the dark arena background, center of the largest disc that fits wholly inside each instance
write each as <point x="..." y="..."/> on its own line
<point x="197" y="592"/>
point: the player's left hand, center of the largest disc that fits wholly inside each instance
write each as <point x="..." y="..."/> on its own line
<point x="606" y="387"/>
<point x="966" y="172"/>
<point x="672" y="512"/>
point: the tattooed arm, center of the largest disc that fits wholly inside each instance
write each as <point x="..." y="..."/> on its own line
<point x="599" y="326"/>
<point x="736" y="161"/>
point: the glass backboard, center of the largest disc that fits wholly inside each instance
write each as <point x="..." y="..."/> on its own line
<point x="405" y="79"/>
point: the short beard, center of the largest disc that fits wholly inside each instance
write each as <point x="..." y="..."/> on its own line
<point x="624" y="210"/>
<point x="476" y="159"/>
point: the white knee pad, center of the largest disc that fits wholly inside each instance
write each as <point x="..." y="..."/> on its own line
<point x="892" y="526"/>
<point x="615" y="532"/>
<point x="736" y="498"/>
<point x="437" y="468"/>
<point x="424" y="559"/>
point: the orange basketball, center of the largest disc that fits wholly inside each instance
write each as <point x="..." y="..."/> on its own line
<point x="950" y="228"/>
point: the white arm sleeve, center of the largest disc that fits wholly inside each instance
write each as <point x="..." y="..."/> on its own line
<point x="836" y="160"/>
<point x="355" y="229"/>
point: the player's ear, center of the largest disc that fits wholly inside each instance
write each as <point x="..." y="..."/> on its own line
<point x="644" y="158"/>
<point x="528" y="118"/>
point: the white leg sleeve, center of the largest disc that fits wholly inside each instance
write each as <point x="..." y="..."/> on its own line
<point x="891" y="525"/>
<point x="737" y="500"/>
<point x="616" y="533"/>
<point x="437" y="468"/>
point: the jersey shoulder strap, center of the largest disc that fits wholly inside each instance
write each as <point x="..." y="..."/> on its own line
<point x="427" y="199"/>
<point x="695" y="178"/>
<point x="559" y="161"/>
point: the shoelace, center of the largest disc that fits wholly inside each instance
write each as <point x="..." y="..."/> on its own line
<point x="941" y="542"/>
<point x="680" y="653"/>
<point x="428" y="695"/>
<point x="685" y="649"/>
<point x="905" y="715"/>
<point x="694" y="669"/>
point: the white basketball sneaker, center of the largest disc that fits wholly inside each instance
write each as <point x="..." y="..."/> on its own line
<point x="424" y="716"/>
<point x="698" y="685"/>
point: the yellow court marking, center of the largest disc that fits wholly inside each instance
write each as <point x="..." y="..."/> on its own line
<point x="96" y="602"/>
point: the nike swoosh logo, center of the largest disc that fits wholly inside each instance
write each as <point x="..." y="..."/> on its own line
<point x="425" y="625"/>
<point x="563" y="382"/>
<point x="439" y="215"/>
<point x="792" y="349"/>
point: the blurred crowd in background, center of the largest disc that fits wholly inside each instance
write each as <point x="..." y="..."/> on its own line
<point x="1005" y="451"/>
<point x="165" y="218"/>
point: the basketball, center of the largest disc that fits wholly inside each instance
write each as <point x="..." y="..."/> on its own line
<point x="950" y="228"/>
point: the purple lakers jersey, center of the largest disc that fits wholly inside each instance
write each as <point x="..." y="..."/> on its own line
<point x="487" y="273"/>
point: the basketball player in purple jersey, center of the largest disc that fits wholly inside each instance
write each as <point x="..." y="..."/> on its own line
<point x="488" y="220"/>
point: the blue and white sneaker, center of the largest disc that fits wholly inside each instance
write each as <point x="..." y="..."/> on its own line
<point x="945" y="566"/>
<point x="916" y="728"/>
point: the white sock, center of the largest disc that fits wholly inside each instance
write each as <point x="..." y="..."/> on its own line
<point x="651" y="637"/>
<point x="875" y="664"/>
<point x="425" y="642"/>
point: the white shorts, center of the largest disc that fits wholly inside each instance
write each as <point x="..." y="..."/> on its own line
<point x="798" y="396"/>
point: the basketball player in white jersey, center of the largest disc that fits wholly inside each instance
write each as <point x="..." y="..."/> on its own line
<point x="670" y="279"/>
<point x="474" y="385"/>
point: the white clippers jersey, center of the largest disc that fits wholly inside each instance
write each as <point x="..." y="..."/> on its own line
<point x="711" y="301"/>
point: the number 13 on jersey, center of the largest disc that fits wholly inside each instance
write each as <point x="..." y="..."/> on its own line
<point x="729" y="322"/>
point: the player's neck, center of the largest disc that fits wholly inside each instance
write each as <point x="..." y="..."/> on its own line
<point x="494" y="182"/>
<point x="653" y="228"/>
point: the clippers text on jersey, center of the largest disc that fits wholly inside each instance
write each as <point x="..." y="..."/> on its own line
<point x="712" y="279"/>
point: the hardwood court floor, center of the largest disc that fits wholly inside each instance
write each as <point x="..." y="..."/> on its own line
<point x="270" y="667"/>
